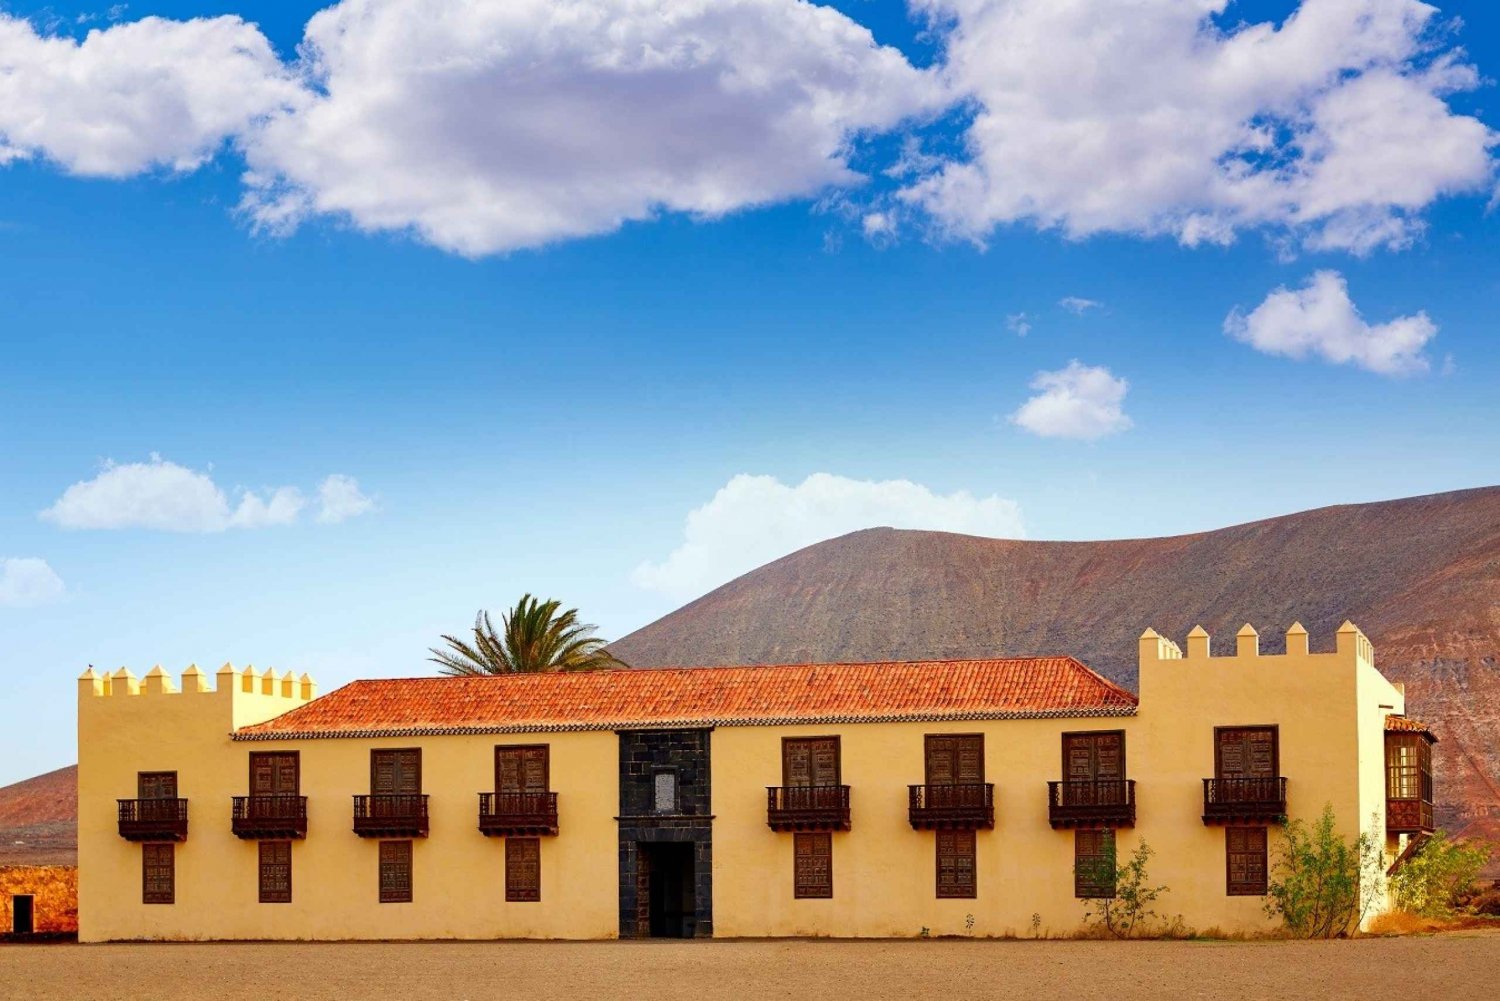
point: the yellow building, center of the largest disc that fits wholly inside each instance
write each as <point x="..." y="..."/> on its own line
<point x="893" y="799"/>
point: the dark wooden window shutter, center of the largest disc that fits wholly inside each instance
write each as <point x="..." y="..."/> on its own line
<point x="523" y="869"/>
<point x="956" y="864"/>
<point x="521" y="769"/>
<point x="1090" y="757"/>
<point x="812" y="865"/>
<point x="1246" y="752"/>
<point x="156" y="785"/>
<point x="275" y="872"/>
<point x="955" y="759"/>
<point x="1093" y="863"/>
<point x="810" y="761"/>
<point x="274" y="773"/>
<point x="158" y="874"/>
<point x="395" y="872"/>
<point x="1245" y="861"/>
<point x="396" y="772"/>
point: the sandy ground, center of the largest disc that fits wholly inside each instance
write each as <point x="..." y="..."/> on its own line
<point x="1454" y="965"/>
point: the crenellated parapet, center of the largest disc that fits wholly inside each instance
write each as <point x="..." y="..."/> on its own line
<point x="1349" y="645"/>
<point x="234" y="697"/>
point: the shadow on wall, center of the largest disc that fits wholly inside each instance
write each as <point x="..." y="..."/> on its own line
<point x="38" y="899"/>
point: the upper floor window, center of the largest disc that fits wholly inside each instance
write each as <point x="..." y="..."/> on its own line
<point x="955" y="758"/>
<point x="810" y="762"/>
<point x="396" y="772"/>
<point x="1095" y="756"/>
<point x="522" y="768"/>
<point x="1246" y="752"/>
<point x="156" y="785"/>
<point x="1408" y="766"/>
<point x="275" y="773"/>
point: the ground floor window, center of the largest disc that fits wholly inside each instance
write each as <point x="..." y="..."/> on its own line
<point x="275" y="872"/>
<point x="523" y="869"/>
<point x="158" y="874"/>
<point x="1093" y="863"/>
<point x="955" y="864"/>
<point x="812" y="874"/>
<point x="395" y="872"/>
<point x="1245" y="860"/>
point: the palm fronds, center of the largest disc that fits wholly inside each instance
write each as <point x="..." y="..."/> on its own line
<point x="534" y="636"/>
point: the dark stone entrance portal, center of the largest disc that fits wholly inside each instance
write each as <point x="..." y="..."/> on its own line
<point x="666" y="835"/>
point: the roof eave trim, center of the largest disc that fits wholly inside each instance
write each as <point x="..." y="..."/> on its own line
<point x="686" y="724"/>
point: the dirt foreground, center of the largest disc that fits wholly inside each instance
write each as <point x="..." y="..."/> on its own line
<point x="1455" y="965"/>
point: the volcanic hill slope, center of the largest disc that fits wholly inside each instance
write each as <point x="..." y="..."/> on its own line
<point x="1420" y="576"/>
<point x="39" y="820"/>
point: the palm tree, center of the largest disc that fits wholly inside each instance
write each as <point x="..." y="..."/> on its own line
<point x="534" y="636"/>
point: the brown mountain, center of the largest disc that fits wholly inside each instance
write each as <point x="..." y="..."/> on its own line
<point x="39" y="820"/>
<point x="1421" y="576"/>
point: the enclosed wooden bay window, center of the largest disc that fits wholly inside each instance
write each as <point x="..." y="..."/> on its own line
<point x="1408" y="777"/>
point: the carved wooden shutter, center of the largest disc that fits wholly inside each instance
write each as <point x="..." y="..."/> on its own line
<point x="395" y="872"/>
<point x="158" y="874"/>
<point x="1078" y="752"/>
<point x="956" y="864"/>
<point x="1109" y="755"/>
<point x="275" y="872"/>
<point x="521" y="769"/>
<point x="796" y="763"/>
<point x="534" y="769"/>
<point x="1246" y="753"/>
<point x="812" y="865"/>
<point x="941" y="767"/>
<point x="396" y="772"/>
<point x="970" y="758"/>
<point x="1093" y="863"/>
<point x="523" y="869"/>
<point x="1245" y="861"/>
<point x="825" y="761"/>
<point x="955" y="758"/>
<point x="262" y="775"/>
<point x="156" y="785"/>
<point x="273" y="773"/>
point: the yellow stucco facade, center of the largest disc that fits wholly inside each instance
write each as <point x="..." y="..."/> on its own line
<point x="1328" y="710"/>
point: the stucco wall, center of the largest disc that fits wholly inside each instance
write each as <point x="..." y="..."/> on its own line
<point x="54" y="892"/>
<point x="1329" y="709"/>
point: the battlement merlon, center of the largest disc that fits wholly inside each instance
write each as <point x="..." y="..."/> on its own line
<point x="1349" y="644"/>
<point x="243" y="697"/>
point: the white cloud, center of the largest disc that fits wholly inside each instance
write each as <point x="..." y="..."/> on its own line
<point x="28" y="581"/>
<point x="1320" y="319"/>
<point x="752" y="520"/>
<point x="1079" y="401"/>
<point x="150" y="93"/>
<point x="484" y="127"/>
<point x="1018" y="324"/>
<point x="1152" y="118"/>
<point x="166" y="497"/>
<point x="1077" y="305"/>
<point x="339" y="499"/>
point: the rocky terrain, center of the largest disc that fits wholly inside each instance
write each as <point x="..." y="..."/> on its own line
<point x="39" y="820"/>
<point x="1421" y="576"/>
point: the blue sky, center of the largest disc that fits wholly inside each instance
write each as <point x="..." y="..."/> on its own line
<point x="541" y="319"/>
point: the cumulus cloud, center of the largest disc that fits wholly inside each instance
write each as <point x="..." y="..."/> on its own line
<point x="149" y="93"/>
<point x="28" y="581"/>
<point x="1333" y="126"/>
<point x="752" y="520"/>
<point x="488" y="126"/>
<point x="1018" y="324"/>
<point x="339" y="499"/>
<point x="1077" y="305"/>
<point x="1079" y="401"/>
<point x="1320" y="319"/>
<point x="166" y="497"/>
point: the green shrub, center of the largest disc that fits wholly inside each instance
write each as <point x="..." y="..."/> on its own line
<point x="1323" y="886"/>
<point x="1129" y="911"/>
<point x="1442" y="871"/>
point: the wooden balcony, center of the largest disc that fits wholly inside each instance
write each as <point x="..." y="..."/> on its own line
<point x="1091" y="803"/>
<point x="807" y="808"/>
<point x="269" y="818"/>
<point x="1239" y="801"/>
<point x="401" y="815"/>
<point x="964" y="806"/>
<point x="1409" y="816"/>
<point x="503" y="814"/>
<point x="153" y="819"/>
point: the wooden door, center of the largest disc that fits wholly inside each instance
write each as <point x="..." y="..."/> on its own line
<point x="955" y="759"/>
<point x="1245" y="752"/>
<point x="274" y="773"/>
<point x="810" y="762"/>
<point x="521" y="769"/>
<point x="156" y="785"/>
<point x="396" y="772"/>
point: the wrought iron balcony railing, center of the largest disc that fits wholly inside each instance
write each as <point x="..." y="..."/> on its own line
<point x="269" y="817"/>
<point x="517" y="813"/>
<point x="391" y="815"/>
<point x="1241" y="800"/>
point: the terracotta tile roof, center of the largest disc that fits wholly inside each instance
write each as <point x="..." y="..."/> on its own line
<point x="1017" y="688"/>
<point x="1400" y="724"/>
